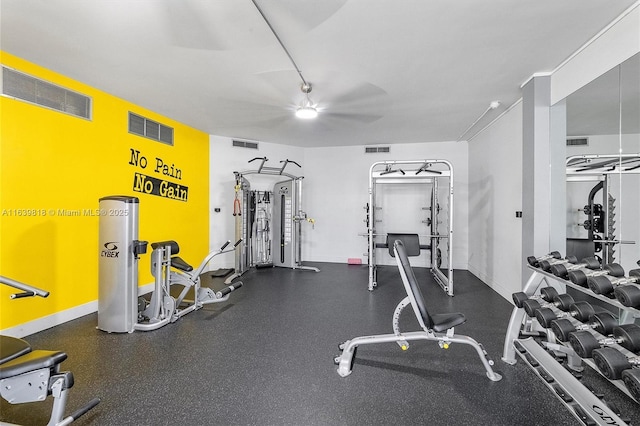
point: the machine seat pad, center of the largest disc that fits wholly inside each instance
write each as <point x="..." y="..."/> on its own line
<point x="175" y="248"/>
<point x="12" y="347"/>
<point x="31" y="361"/>
<point x="178" y="263"/>
<point x="442" y="322"/>
<point x="411" y="243"/>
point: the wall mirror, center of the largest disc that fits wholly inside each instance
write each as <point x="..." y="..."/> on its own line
<point x="603" y="167"/>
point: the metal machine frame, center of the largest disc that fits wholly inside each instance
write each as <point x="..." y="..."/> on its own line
<point x="598" y="168"/>
<point x="28" y="375"/>
<point x="383" y="172"/>
<point x="439" y="327"/>
<point x="286" y="249"/>
<point x="578" y="399"/>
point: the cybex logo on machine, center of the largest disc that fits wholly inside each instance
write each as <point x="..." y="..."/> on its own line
<point x="111" y="250"/>
<point x="284" y="190"/>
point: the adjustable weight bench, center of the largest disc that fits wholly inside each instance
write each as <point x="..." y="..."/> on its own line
<point x="28" y="375"/>
<point x="438" y="327"/>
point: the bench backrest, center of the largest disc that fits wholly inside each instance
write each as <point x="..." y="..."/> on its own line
<point x="411" y="285"/>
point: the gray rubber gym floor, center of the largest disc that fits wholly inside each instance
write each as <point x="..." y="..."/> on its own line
<point x="265" y="357"/>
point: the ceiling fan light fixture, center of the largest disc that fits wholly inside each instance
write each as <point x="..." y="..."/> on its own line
<point x="306" y="112"/>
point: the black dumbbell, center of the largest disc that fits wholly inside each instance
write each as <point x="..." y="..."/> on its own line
<point x="602" y="322"/>
<point x="546" y="265"/>
<point x="546" y="293"/>
<point x="562" y="270"/>
<point x="612" y="363"/>
<point x="604" y="284"/>
<point x="578" y="310"/>
<point x="560" y="301"/>
<point x="627" y="336"/>
<point x="581" y="276"/>
<point x="631" y="379"/>
<point x="533" y="261"/>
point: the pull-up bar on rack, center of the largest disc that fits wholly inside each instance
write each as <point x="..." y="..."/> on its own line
<point x="430" y="174"/>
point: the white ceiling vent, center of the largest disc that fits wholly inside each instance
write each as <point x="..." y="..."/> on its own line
<point x="577" y="141"/>
<point x="39" y="92"/>
<point x="245" y="144"/>
<point x="372" y="149"/>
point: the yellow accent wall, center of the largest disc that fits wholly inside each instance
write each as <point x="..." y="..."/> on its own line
<point x="53" y="169"/>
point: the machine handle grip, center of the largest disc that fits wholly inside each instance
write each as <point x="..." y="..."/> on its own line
<point x="291" y="161"/>
<point x="24" y="287"/>
<point x="229" y="289"/>
<point x="80" y="412"/>
<point x="21" y="295"/>
<point x="237" y="242"/>
<point x="225" y="245"/>
<point x="258" y="158"/>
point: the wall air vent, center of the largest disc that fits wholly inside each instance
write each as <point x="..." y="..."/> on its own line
<point x="141" y="126"/>
<point x="372" y="149"/>
<point x="39" y="92"/>
<point x="577" y="141"/>
<point x="245" y="144"/>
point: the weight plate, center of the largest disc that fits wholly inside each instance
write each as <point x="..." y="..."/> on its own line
<point x="548" y="293"/>
<point x="610" y="362"/>
<point x="631" y="380"/>
<point x="582" y="311"/>
<point x="583" y="343"/>
<point x="561" y="328"/>
<point x="600" y="284"/>
<point x="545" y="316"/>
<point x="578" y="277"/>
<point x="603" y="322"/>
<point x="628" y="295"/>
<point x="563" y="301"/>
<point x="614" y="269"/>
<point x="530" y="306"/>
<point x="629" y="334"/>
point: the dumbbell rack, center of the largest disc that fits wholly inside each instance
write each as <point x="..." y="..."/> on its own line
<point x="580" y="401"/>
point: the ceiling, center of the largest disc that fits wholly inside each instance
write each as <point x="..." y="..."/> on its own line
<point x="383" y="71"/>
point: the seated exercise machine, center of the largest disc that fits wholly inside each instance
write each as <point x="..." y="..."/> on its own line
<point x="120" y="309"/>
<point x="437" y="327"/>
<point x="169" y="270"/>
<point x="28" y="375"/>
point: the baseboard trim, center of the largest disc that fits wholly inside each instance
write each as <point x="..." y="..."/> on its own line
<point x="48" y="321"/>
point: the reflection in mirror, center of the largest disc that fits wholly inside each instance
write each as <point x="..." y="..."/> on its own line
<point x="603" y="167"/>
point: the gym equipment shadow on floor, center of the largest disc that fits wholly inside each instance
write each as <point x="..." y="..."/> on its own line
<point x="266" y="358"/>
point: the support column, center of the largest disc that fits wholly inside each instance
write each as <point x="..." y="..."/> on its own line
<point x="543" y="154"/>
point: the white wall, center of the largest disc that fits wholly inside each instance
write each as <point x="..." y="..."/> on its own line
<point x="336" y="191"/>
<point x="495" y="194"/>
<point x="224" y="160"/>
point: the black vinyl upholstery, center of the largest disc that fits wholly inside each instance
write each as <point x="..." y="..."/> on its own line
<point x="175" y="248"/>
<point x="436" y="322"/>
<point x="178" y="263"/>
<point x="12" y="347"/>
<point x="411" y="243"/>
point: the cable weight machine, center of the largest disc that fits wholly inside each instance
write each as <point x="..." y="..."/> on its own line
<point x="269" y="222"/>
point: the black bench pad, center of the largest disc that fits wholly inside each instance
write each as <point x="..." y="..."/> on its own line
<point x="443" y="322"/>
<point x="178" y="263"/>
<point x="175" y="248"/>
<point x="31" y="361"/>
<point x="12" y="347"/>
